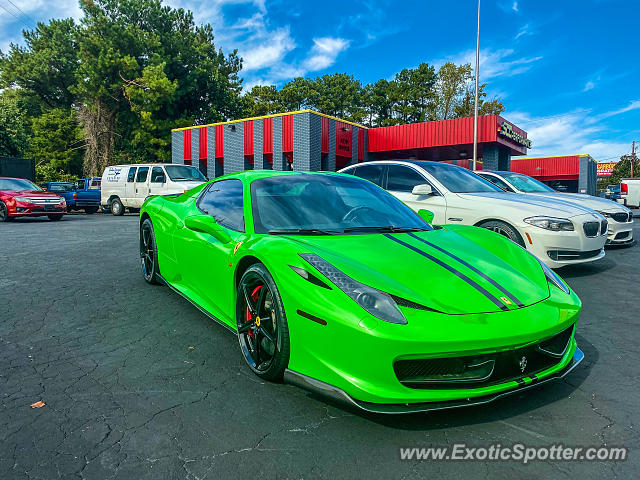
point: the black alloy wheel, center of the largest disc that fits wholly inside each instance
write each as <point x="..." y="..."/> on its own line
<point x="148" y="252"/>
<point x="263" y="333"/>
<point x="504" y="229"/>
<point x="4" y="212"/>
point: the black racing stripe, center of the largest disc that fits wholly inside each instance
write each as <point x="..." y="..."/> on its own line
<point x="511" y="296"/>
<point x="458" y="274"/>
<point x="534" y="378"/>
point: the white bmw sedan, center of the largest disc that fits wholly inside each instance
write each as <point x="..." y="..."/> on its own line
<point x="558" y="233"/>
<point x="620" y="218"/>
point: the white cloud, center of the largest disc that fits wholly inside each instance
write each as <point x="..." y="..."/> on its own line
<point x="26" y="13"/>
<point x="524" y="30"/>
<point x="633" y="105"/>
<point x="494" y="63"/>
<point x="514" y="7"/>
<point x="267" y="49"/>
<point x="574" y="132"/>
<point x="324" y="53"/>
<point x="588" y="86"/>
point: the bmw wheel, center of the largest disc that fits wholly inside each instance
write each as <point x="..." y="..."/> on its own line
<point x="263" y="332"/>
<point x="504" y="229"/>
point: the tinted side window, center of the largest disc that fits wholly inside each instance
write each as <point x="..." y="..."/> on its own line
<point x="223" y="200"/>
<point x="373" y="173"/>
<point x="132" y="174"/>
<point x="80" y="184"/>
<point x="497" y="181"/>
<point x="142" y="174"/>
<point x="403" y="179"/>
<point x="157" y="175"/>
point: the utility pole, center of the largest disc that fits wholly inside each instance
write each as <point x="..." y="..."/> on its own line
<point x="475" y="114"/>
<point x="633" y="155"/>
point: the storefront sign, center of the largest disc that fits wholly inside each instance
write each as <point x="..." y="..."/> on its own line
<point x="506" y="130"/>
<point x="605" y="169"/>
<point x="343" y="139"/>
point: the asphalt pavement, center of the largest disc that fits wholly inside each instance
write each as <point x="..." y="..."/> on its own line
<point x="137" y="383"/>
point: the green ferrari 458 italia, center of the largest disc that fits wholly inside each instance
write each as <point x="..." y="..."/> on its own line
<point x="334" y="285"/>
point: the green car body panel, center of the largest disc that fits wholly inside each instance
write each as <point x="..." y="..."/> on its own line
<point x="354" y="352"/>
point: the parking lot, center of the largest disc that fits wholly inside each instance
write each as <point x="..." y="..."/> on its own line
<point x="138" y="383"/>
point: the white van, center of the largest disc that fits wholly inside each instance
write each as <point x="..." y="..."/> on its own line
<point x="630" y="192"/>
<point x="128" y="186"/>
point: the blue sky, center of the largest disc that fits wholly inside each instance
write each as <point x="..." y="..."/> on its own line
<point x="566" y="71"/>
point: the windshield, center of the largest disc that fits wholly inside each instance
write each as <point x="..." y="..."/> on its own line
<point x="17" y="184"/>
<point x="457" y="179"/>
<point x="183" y="173"/>
<point x="526" y="184"/>
<point x="61" y="187"/>
<point x="327" y="204"/>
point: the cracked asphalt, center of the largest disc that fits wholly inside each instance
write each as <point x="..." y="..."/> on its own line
<point x="139" y="384"/>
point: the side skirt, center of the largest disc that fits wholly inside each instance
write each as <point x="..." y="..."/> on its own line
<point x="212" y="317"/>
<point x="327" y="390"/>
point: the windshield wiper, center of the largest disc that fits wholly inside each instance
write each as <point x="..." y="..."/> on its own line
<point x="384" y="228"/>
<point x="302" y="231"/>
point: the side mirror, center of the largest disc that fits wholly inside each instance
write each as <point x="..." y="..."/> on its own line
<point x="426" y="215"/>
<point x="207" y="224"/>
<point x="423" y="189"/>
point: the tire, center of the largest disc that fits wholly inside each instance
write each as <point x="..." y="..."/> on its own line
<point x="55" y="218"/>
<point x="90" y="210"/>
<point x="148" y="253"/>
<point x="117" y="209"/>
<point x="503" y="229"/>
<point x="264" y="341"/>
<point x="4" y="212"/>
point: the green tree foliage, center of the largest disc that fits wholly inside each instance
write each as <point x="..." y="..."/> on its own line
<point x="13" y="125"/>
<point x="127" y="73"/>
<point x="262" y="100"/>
<point x="623" y="169"/>
<point x="56" y="141"/>
<point x="45" y="67"/>
<point x="414" y="95"/>
<point x="465" y="108"/>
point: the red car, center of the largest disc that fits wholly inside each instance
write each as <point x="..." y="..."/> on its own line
<point x="23" y="198"/>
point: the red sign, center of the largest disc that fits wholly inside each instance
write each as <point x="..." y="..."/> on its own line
<point x="343" y="139"/>
<point x="605" y="169"/>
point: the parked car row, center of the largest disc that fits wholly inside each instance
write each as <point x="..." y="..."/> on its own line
<point x="84" y="194"/>
<point x="559" y="228"/>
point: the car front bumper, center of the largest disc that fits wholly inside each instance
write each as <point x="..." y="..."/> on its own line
<point x="357" y="354"/>
<point x="329" y="391"/>
<point x="557" y="249"/>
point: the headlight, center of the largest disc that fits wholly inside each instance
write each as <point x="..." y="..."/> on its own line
<point x="23" y="199"/>
<point x="377" y="303"/>
<point x="551" y="223"/>
<point x="554" y="278"/>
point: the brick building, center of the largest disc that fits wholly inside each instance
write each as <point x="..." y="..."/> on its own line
<point x="310" y="141"/>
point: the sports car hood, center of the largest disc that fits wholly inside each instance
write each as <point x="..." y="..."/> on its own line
<point x="595" y="203"/>
<point x="528" y="203"/>
<point x="440" y="269"/>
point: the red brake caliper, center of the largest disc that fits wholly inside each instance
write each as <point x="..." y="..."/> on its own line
<point x="254" y="297"/>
